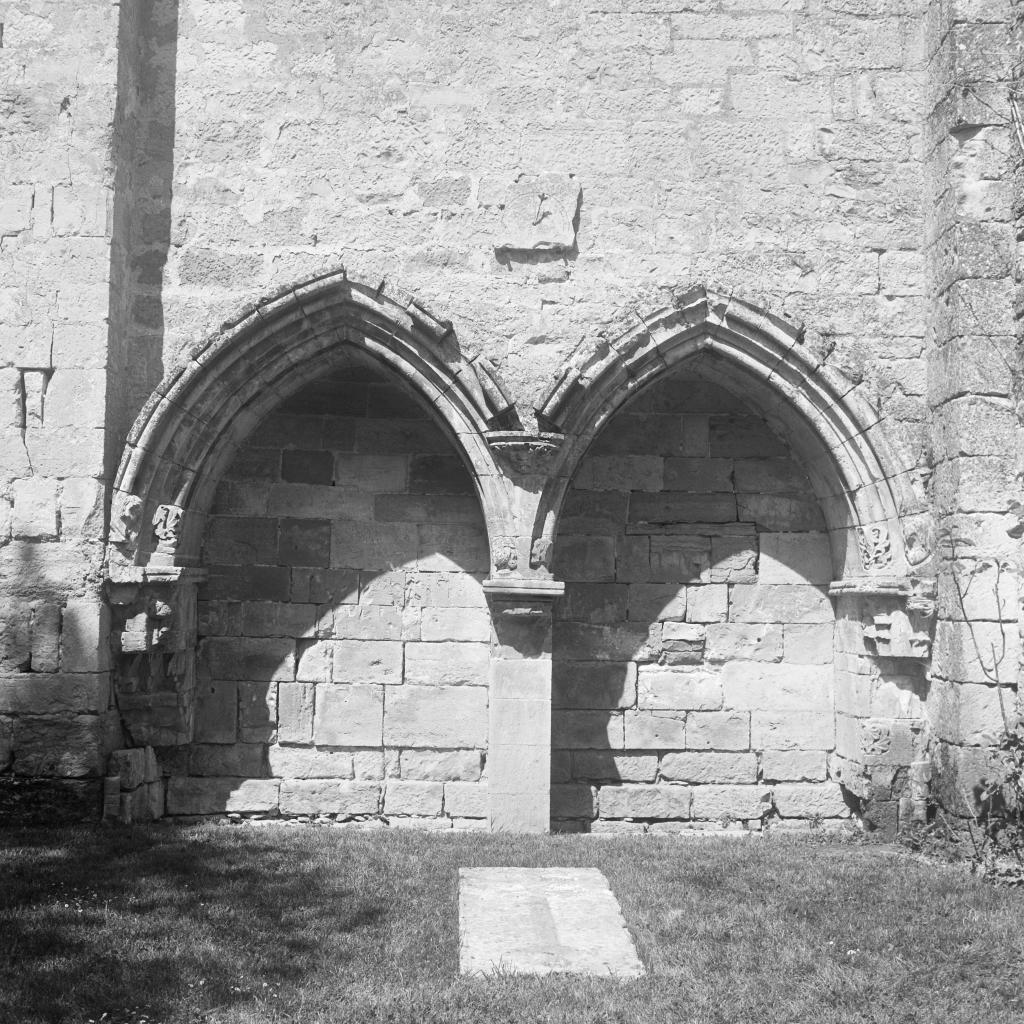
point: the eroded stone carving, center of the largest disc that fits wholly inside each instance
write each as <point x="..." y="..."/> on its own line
<point x="875" y="547"/>
<point x="167" y="527"/>
<point x="899" y="634"/>
<point x="528" y="454"/>
<point x="540" y="553"/>
<point x="540" y="214"/>
<point x="506" y="554"/>
<point x="125" y="519"/>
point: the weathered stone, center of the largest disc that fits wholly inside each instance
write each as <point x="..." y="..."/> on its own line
<point x="714" y="803"/>
<point x="593" y="684"/>
<point x="129" y="766"/>
<point x="216" y="712"/>
<point x="348" y="715"/>
<point x="295" y="703"/>
<point x="794" y="765"/>
<point x="217" y="796"/>
<point x="304" y="763"/>
<point x="631" y="801"/>
<point x="365" y="661"/>
<point x="779" y="603"/>
<point x="575" y="801"/>
<point x="576" y="730"/>
<point x="810" y="800"/>
<point x="465" y="799"/>
<point x="703" y="768"/>
<point x="441" y="765"/>
<point x="658" y="688"/>
<point x="707" y="604"/>
<point x="751" y="685"/>
<point x="456" y="624"/>
<point x="655" y="730"/>
<point x="792" y="730"/>
<point x="809" y="644"/>
<point x="423" y="798"/>
<point x="608" y="766"/>
<point x="717" y="730"/>
<point x="795" y="558"/>
<point x="436" y="716"/>
<point x="728" y="641"/>
<point x="327" y="796"/>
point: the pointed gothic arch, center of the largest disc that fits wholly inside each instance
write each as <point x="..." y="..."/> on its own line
<point x="866" y="497"/>
<point x="197" y="417"/>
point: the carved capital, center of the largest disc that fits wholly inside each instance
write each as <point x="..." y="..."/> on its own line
<point x="167" y="528"/>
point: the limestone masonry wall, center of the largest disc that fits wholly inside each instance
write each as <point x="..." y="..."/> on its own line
<point x="693" y="649"/>
<point x="345" y="639"/>
<point x="531" y="203"/>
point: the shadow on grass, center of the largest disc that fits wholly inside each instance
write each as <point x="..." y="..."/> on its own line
<point x="164" y="925"/>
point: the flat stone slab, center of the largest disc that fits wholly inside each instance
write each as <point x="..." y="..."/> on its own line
<point x="542" y="921"/>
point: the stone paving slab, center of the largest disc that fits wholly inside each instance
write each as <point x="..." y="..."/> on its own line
<point x="542" y="921"/>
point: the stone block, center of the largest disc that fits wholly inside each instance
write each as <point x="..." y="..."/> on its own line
<point x="811" y="644"/>
<point x="456" y="624"/>
<point x="593" y="512"/>
<point x="305" y="763"/>
<point x="247" y="583"/>
<point x="644" y="802"/>
<point x="596" y="603"/>
<point x="134" y="806"/>
<point x="447" y="664"/>
<point x="577" y="730"/>
<point x="368" y="622"/>
<point x="749" y="685"/>
<point x="717" y="730"/>
<point x="447" y="548"/>
<point x="593" y="684"/>
<point x="257" y="712"/>
<point x="793" y="730"/>
<point x="85" y="637"/>
<point x="465" y="799"/>
<point x="374" y="764"/>
<point x="810" y="800"/>
<point x="737" y="803"/>
<point x="698" y="475"/>
<point x="129" y="766"/>
<point x="217" y="796"/>
<point x="656" y="602"/>
<point x="348" y="715"/>
<point x="441" y="765"/>
<point x="216" y="716"/>
<point x="244" y="760"/>
<point x="680" y="559"/>
<point x="240" y="540"/>
<point x="794" y="765"/>
<point x="367" y="545"/>
<point x="620" y="473"/>
<point x="444" y="590"/>
<point x="573" y="801"/>
<point x="733" y="560"/>
<point x="295" y="702"/>
<point x="704" y="767"/>
<point x="304" y="466"/>
<point x="36" y="693"/>
<point x="610" y="766"/>
<point x="729" y="641"/>
<point x="381" y="474"/>
<point x="16" y="639"/>
<point x="979" y="652"/>
<point x="422" y="798"/>
<point x="81" y="507"/>
<point x="743" y="437"/>
<point x="304" y="542"/>
<point x="780" y="512"/>
<point x="795" y="558"/>
<point x="325" y="586"/>
<point x="583" y="558"/>
<point x="65" y="747"/>
<point x="681" y="690"/>
<point x="315" y="662"/>
<point x="633" y="559"/>
<point x="367" y="661"/>
<point x="329" y="796"/>
<point x="779" y="603"/>
<point x="579" y="641"/>
<point x="655" y="730"/>
<point x="667" y="507"/>
<point x="428" y="474"/>
<point x="436" y="716"/>
<point x="35" y="508"/>
<point x="707" y="604"/>
<point x="249" y="658"/>
<point x="769" y="476"/>
<point x="427" y="508"/>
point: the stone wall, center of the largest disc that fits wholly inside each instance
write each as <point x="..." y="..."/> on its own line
<point x="344" y="634"/>
<point x="58" y="71"/>
<point x="693" y="649"/>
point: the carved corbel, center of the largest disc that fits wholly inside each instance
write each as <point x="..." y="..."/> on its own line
<point x="901" y="611"/>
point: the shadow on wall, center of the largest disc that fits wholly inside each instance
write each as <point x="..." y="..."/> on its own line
<point x="56" y="715"/>
<point x="104" y="921"/>
<point x="693" y="665"/>
<point x="141" y="236"/>
<point x="345" y="635"/>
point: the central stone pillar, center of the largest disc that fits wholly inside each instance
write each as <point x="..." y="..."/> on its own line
<point x="519" y="743"/>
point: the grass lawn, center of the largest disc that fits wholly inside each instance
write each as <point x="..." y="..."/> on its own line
<point x="233" y="924"/>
